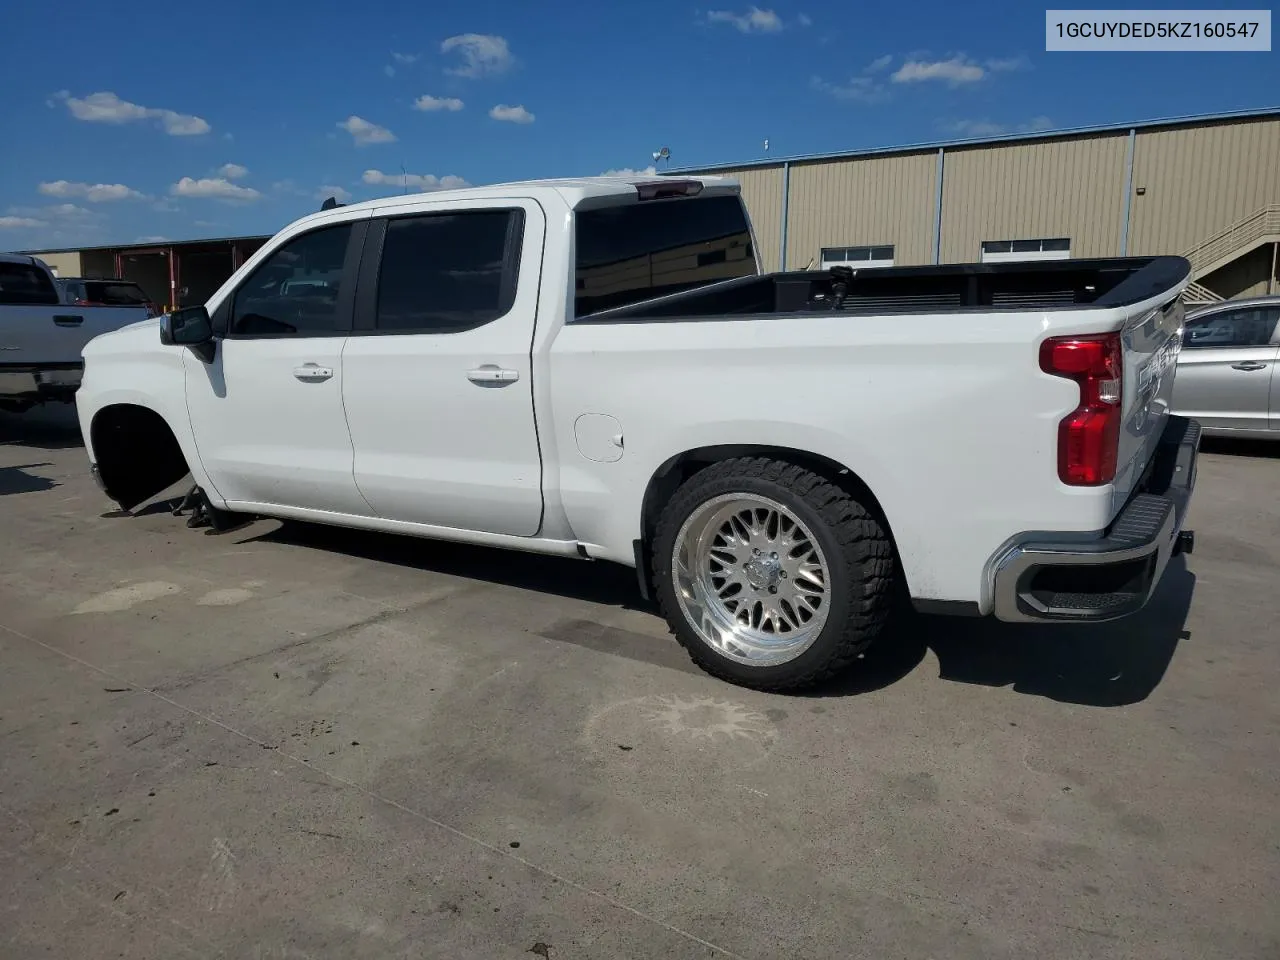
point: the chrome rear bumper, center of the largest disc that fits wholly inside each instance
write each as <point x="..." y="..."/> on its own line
<point x="1114" y="575"/>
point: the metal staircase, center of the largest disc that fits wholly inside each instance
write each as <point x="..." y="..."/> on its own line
<point x="1260" y="227"/>
<point x="1198" y="293"/>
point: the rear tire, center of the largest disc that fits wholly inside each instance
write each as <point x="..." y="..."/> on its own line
<point x="770" y="575"/>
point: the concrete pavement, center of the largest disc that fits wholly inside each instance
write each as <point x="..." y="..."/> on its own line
<point x="291" y="741"/>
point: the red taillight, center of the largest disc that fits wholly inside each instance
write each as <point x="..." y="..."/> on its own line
<point x="83" y="303"/>
<point x="1089" y="437"/>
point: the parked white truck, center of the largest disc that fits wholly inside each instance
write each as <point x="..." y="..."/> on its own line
<point x="41" y="337"/>
<point x="597" y="368"/>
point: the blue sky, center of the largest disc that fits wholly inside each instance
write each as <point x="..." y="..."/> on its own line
<point x="185" y="121"/>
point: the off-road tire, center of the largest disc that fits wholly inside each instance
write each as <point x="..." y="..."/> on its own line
<point x="855" y="543"/>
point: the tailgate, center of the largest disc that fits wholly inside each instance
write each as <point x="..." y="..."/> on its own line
<point x="1151" y="341"/>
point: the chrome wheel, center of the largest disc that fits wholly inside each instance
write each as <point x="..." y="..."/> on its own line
<point x="751" y="579"/>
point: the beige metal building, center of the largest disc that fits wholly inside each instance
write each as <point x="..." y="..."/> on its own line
<point x="1207" y="188"/>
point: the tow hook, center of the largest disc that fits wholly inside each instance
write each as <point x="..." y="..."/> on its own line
<point x="1185" y="543"/>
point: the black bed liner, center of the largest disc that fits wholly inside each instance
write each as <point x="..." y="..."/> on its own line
<point x="953" y="288"/>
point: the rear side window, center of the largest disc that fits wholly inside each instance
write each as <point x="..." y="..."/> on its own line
<point x="115" y="294"/>
<point x="1232" y="328"/>
<point x="652" y="248"/>
<point x="26" y="283"/>
<point x="444" y="273"/>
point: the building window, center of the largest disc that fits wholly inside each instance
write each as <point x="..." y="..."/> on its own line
<point x="1009" y="251"/>
<point x="857" y="257"/>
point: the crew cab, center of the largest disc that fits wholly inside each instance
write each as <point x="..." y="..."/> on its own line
<point x="598" y="368"/>
<point x="41" y="338"/>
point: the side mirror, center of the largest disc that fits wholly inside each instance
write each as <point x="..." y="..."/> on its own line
<point x="189" y="327"/>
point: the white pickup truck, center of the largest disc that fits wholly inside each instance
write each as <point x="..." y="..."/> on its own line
<point x="597" y="368"/>
<point x="41" y="337"/>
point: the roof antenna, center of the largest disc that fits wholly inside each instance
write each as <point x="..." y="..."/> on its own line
<point x="331" y="204"/>
<point x="406" y="178"/>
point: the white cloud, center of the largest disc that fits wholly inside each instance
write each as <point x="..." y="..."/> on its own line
<point x="58" y="215"/>
<point x="1009" y="63"/>
<point x="364" y="132"/>
<point x="754" y="20"/>
<point x="857" y="89"/>
<point x="93" y="192"/>
<point x="105" y="107"/>
<point x="217" y="188"/>
<point x="405" y="58"/>
<point x="629" y="173"/>
<point x="515" y="114"/>
<point x="878" y="64"/>
<point x="430" y="104"/>
<point x="389" y="70"/>
<point x="422" y="182"/>
<point x="986" y="128"/>
<point x="332" y="190"/>
<point x="482" y="54"/>
<point x="805" y="20"/>
<point x="954" y="72"/>
<point x="233" y="171"/>
<point x="153" y="238"/>
<point x="57" y="211"/>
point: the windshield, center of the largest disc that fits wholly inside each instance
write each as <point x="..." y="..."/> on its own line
<point x="652" y="248"/>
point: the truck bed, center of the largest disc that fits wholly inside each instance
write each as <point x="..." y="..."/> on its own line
<point x="954" y="288"/>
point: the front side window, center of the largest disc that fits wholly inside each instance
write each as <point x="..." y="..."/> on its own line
<point x="26" y="283"/>
<point x="1232" y="328"/>
<point x="294" y="292"/>
<point x="444" y="273"/>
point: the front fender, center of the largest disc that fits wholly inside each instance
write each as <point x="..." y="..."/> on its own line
<point x="151" y="376"/>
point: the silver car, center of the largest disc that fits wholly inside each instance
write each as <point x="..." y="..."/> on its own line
<point x="1227" y="368"/>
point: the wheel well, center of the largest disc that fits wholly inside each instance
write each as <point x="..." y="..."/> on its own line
<point x="136" y="453"/>
<point x="680" y="468"/>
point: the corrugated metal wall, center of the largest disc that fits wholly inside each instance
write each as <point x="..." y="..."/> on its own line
<point x="63" y="264"/>
<point x="762" y="191"/>
<point x="1201" y="180"/>
<point x="871" y="201"/>
<point x="1048" y="189"/>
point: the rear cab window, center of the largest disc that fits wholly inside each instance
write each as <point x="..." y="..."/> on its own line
<point x="115" y="294"/>
<point x="651" y="248"/>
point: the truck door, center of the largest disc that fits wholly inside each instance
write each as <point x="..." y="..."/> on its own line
<point x="1226" y="368"/>
<point x="437" y="374"/>
<point x="267" y="412"/>
<point x="34" y="328"/>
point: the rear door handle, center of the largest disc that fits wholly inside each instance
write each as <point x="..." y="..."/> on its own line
<point x="1249" y="365"/>
<point x="312" y="372"/>
<point x="68" y="321"/>
<point x="492" y="374"/>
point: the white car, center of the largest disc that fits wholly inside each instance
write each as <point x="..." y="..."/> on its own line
<point x="41" y="337"/>
<point x="597" y="368"/>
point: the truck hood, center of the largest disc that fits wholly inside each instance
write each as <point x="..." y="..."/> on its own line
<point x="131" y="338"/>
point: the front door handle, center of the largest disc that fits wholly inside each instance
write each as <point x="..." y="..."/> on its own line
<point x="1249" y="365"/>
<point x="312" y="372"/>
<point x="68" y="321"/>
<point x="492" y="374"/>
